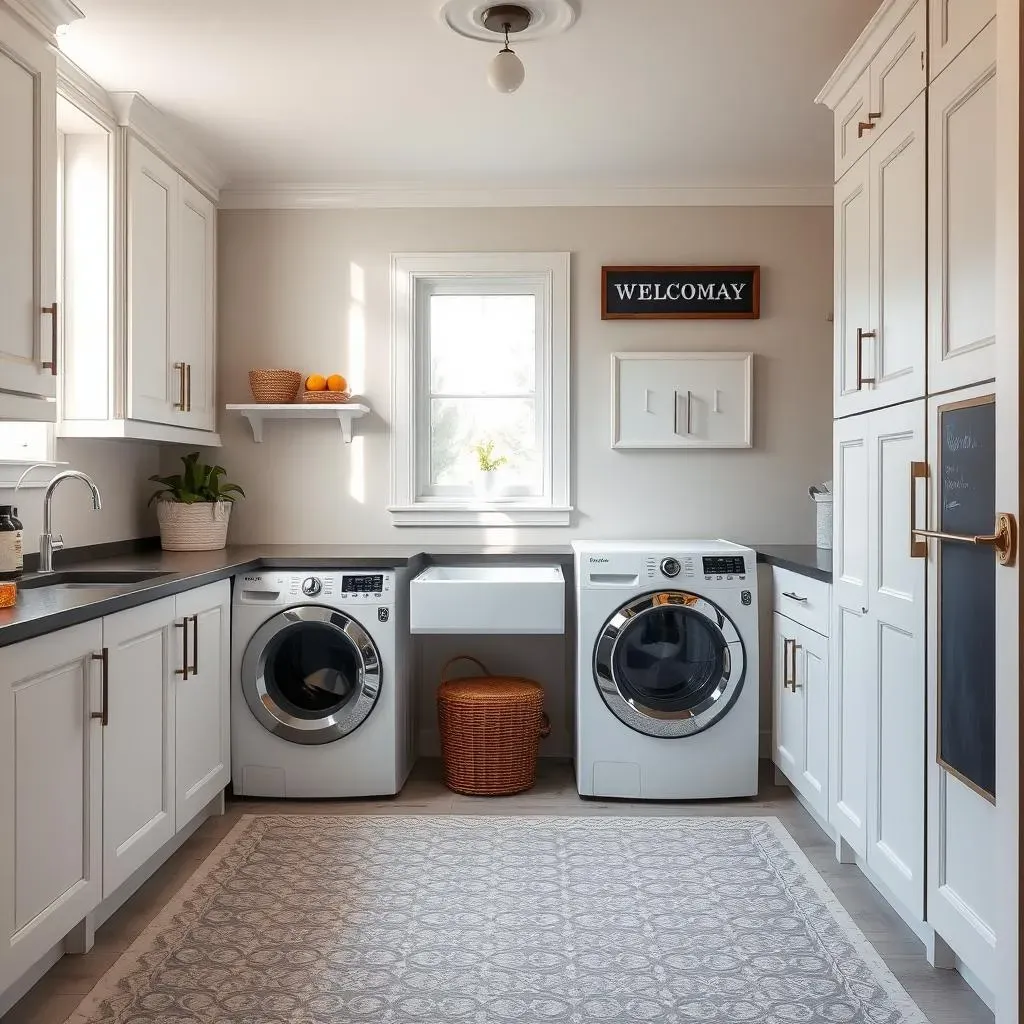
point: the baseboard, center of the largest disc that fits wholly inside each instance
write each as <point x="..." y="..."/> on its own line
<point x="110" y="905"/>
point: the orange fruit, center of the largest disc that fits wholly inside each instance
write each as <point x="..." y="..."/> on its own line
<point x="336" y="382"/>
<point x="315" y="382"/>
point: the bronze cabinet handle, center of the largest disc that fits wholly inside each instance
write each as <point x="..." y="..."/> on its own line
<point x="182" y="402"/>
<point x="195" y="645"/>
<point x="104" y="714"/>
<point x="861" y="335"/>
<point x="188" y="387"/>
<point x="51" y="311"/>
<point x="183" y="671"/>
<point x="866" y="126"/>
<point x="1003" y="540"/>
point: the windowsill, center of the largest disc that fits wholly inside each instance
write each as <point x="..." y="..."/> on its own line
<point x="10" y="473"/>
<point x="491" y="514"/>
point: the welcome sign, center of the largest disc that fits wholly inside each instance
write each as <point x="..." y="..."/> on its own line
<point x="680" y="293"/>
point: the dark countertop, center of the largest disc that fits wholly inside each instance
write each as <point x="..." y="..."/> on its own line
<point x="43" y="610"/>
<point x="802" y="558"/>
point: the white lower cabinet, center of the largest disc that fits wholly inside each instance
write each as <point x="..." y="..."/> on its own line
<point x="878" y="651"/>
<point x="138" y="740"/>
<point x="800" y="693"/>
<point x="107" y="749"/>
<point x="202" y="758"/>
<point x="51" y="779"/>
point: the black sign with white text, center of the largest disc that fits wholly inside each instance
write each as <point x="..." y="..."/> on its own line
<point x="681" y="293"/>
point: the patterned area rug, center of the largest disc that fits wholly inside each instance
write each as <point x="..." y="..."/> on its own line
<point x="487" y="920"/>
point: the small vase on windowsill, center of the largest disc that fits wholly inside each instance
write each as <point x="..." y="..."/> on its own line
<point x="485" y="486"/>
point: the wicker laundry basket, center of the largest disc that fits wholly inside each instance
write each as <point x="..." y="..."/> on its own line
<point x="490" y="730"/>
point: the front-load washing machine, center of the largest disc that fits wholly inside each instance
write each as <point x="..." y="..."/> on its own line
<point x="320" y="705"/>
<point x="667" y="670"/>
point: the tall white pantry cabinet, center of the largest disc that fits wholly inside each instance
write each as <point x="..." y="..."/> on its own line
<point x="915" y="123"/>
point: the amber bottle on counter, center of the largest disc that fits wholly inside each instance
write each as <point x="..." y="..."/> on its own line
<point x="11" y="557"/>
<point x="19" y="526"/>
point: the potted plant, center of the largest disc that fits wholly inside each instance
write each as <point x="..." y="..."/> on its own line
<point x="488" y="466"/>
<point x="194" y="507"/>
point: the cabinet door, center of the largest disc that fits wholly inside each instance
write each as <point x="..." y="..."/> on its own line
<point x="852" y="287"/>
<point x="689" y="400"/>
<point x="895" y="357"/>
<point x="898" y="72"/>
<point x="28" y="214"/>
<point x="193" y="320"/>
<point x="202" y="742"/>
<point x="812" y="682"/>
<point x="138" y="740"/>
<point x="788" y="702"/>
<point x="852" y="125"/>
<point x="155" y="385"/>
<point x="895" y="685"/>
<point x="51" y="776"/>
<point x="850" y="662"/>
<point x="962" y="218"/>
<point x="954" y="23"/>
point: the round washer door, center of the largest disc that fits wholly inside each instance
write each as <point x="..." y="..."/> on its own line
<point x="311" y="675"/>
<point x="669" y="664"/>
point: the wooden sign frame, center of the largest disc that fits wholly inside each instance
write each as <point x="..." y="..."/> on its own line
<point x="754" y="313"/>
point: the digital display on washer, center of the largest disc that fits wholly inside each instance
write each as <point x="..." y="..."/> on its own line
<point x="362" y="584"/>
<point x="730" y="565"/>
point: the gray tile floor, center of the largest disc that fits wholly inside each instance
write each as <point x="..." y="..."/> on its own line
<point x="943" y="995"/>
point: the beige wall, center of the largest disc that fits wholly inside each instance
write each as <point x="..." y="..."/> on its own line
<point x="296" y="289"/>
<point x="121" y="470"/>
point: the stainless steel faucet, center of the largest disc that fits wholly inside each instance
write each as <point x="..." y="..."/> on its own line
<point x="48" y="543"/>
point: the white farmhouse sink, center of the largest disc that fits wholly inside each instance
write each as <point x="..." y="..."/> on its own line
<point x="488" y="599"/>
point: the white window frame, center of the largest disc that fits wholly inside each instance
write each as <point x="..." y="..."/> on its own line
<point x="414" y="276"/>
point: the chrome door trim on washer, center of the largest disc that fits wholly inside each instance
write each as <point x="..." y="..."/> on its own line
<point x="662" y="723"/>
<point x="329" y="727"/>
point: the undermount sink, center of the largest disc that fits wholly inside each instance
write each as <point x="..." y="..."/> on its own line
<point x="495" y="599"/>
<point x="84" y="579"/>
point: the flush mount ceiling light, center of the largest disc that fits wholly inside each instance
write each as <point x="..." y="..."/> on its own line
<point x="532" y="19"/>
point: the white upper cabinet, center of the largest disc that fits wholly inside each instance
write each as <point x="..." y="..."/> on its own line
<point x="682" y="400"/>
<point x="953" y="24"/>
<point x="28" y="204"/>
<point x="853" y="129"/>
<point x="192" y="330"/>
<point x="898" y="72"/>
<point x="153" y="393"/>
<point x="148" y="370"/>
<point x="962" y="218"/>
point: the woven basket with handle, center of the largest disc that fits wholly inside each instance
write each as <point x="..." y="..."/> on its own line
<point x="491" y="727"/>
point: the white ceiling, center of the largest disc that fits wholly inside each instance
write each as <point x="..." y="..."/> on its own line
<point x="639" y="93"/>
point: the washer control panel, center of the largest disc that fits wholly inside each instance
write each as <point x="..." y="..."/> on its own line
<point x="311" y="587"/>
<point x="337" y="588"/>
<point x="670" y="567"/>
<point x="373" y="584"/>
<point x="725" y="567"/>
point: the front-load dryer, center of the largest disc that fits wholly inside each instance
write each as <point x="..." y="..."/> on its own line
<point x="319" y="692"/>
<point x="667" y="670"/>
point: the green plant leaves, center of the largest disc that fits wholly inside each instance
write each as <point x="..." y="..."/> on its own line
<point x="198" y="482"/>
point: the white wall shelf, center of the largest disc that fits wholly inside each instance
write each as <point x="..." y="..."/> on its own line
<point x="345" y="413"/>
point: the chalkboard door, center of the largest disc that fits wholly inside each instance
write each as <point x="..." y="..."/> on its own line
<point x="965" y="490"/>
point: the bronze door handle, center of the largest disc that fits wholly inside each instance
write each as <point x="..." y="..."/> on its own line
<point x="181" y="403"/>
<point x="195" y="645"/>
<point x="188" y="387"/>
<point x="861" y="335"/>
<point x="183" y="671"/>
<point x="866" y="126"/>
<point x="104" y="714"/>
<point x="51" y="311"/>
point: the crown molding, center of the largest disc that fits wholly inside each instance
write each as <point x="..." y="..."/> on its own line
<point x="156" y="130"/>
<point x="395" y="196"/>
<point x="45" y="16"/>
<point x="868" y="43"/>
<point x="84" y="92"/>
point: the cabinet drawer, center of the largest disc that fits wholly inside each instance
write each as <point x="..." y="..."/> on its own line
<point x="899" y="71"/>
<point x="802" y="599"/>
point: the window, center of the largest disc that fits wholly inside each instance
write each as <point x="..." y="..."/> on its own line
<point x="480" y="350"/>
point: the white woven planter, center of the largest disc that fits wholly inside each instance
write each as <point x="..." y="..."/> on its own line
<point x="199" y="527"/>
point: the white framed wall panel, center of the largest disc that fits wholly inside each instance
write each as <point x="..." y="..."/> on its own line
<point x="850" y="660"/>
<point x="962" y="218"/>
<point x="952" y="25"/>
<point x="682" y="399"/>
<point x="852" y="240"/>
<point x="964" y="894"/>
<point x="896" y="655"/>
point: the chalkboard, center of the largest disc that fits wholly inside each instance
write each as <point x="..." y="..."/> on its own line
<point x="680" y="293"/>
<point x="967" y="595"/>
